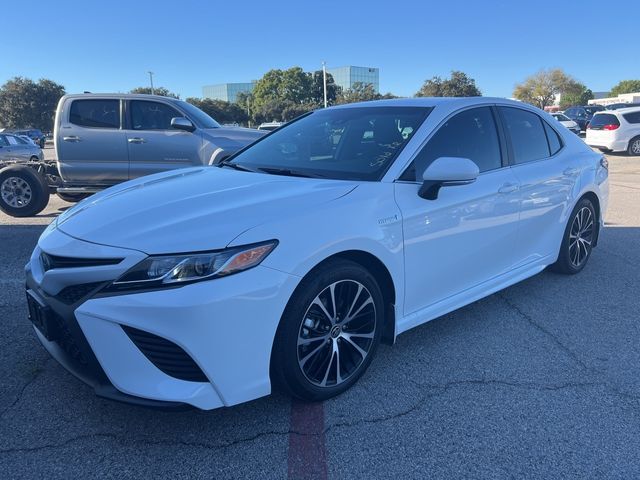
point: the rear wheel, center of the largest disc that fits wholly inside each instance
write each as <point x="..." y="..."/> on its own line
<point x="329" y="331"/>
<point x="579" y="237"/>
<point x="634" y="147"/>
<point x="23" y="191"/>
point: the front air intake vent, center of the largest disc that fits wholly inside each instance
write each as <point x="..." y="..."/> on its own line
<point x="166" y="356"/>
<point x="74" y="293"/>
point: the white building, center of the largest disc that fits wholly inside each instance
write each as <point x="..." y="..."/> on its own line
<point x="622" y="98"/>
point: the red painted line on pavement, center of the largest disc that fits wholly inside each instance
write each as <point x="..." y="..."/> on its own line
<point x="307" y="452"/>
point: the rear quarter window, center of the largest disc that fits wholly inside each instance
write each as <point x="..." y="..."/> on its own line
<point x="633" y="117"/>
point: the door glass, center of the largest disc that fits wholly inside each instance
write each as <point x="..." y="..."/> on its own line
<point x="147" y="115"/>
<point x="527" y="135"/>
<point x="3" y="140"/>
<point x="470" y="134"/>
<point x="12" y="140"/>
<point x="95" y="113"/>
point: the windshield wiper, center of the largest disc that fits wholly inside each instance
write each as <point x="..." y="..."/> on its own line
<point x="235" y="166"/>
<point x="288" y="172"/>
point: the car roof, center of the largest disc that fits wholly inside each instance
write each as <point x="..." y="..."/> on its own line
<point x="433" y="102"/>
<point x="126" y="96"/>
<point x="627" y="109"/>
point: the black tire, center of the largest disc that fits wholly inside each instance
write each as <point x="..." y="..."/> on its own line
<point x="289" y="371"/>
<point x="567" y="257"/>
<point x="34" y="159"/>
<point x="32" y="203"/>
<point x="633" y="150"/>
<point x="73" y="197"/>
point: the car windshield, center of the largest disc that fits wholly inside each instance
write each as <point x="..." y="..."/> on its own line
<point x="198" y="116"/>
<point x="354" y="143"/>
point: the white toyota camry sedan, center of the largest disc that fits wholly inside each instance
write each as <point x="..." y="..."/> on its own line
<point x="289" y="264"/>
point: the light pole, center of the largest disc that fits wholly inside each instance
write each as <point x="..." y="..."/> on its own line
<point x="151" y="80"/>
<point x="324" y="81"/>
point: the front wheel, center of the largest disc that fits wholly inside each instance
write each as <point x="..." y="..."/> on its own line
<point x="579" y="237"/>
<point x="329" y="331"/>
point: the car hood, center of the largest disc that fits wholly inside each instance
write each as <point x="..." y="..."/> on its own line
<point x="194" y="209"/>
<point x="232" y="138"/>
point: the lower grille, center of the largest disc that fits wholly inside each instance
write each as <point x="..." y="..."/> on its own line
<point x="166" y="356"/>
<point x="67" y="341"/>
<point x="74" y="293"/>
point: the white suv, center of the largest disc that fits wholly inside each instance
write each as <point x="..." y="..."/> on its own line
<point x="615" y="131"/>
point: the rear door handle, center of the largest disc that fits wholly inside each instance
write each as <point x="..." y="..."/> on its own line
<point x="137" y="140"/>
<point x="508" y="188"/>
<point x="571" y="171"/>
<point x="72" y="138"/>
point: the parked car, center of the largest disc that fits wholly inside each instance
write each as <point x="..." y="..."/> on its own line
<point x="33" y="133"/>
<point x="616" y="106"/>
<point x="102" y="140"/>
<point x="289" y="264"/>
<point x="567" y="122"/>
<point x="582" y="115"/>
<point x="15" y="148"/>
<point x="270" y="126"/>
<point x="615" y="131"/>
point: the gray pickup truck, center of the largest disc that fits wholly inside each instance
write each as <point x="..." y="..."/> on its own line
<point x="105" y="139"/>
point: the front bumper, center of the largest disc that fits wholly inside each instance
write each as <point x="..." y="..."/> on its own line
<point x="226" y="326"/>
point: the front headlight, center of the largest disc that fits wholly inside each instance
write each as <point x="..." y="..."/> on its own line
<point x="174" y="270"/>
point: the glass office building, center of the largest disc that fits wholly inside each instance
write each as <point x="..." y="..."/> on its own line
<point x="347" y="76"/>
<point x="226" y="91"/>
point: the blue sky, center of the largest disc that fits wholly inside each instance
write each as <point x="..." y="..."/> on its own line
<point x="110" y="45"/>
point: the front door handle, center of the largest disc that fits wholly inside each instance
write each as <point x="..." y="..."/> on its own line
<point x="508" y="188"/>
<point x="571" y="171"/>
<point x="72" y="138"/>
<point x="137" y="140"/>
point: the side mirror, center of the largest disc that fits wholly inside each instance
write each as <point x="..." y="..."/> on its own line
<point x="182" y="123"/>
<point x="447" y="172"/>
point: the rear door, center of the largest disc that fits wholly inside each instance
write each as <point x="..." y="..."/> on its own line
<point x="90" y="143"/>
<point x="547" y="176"/>
<point x="5" y="149"/>
<point x="154" y="146"/>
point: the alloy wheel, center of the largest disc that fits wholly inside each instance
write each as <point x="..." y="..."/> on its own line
<point x="16" y="192"/>
<point x="581" y="236"/>
<point x="337" y="333"/>
<point x="635" y="147"/>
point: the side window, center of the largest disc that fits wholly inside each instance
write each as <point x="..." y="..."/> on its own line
<point x="21" y="141"/>
<point x="3" y="141"/>
<point x="146" y="115"/>
<point x="569" y="112"/>
<point x="555" y="144"/>
<point x="470" y="134"/>
<point x="95" y="113"/>
<point x="12" y="140"/>
<point x="633" y="117"/>
<point x="528" y="139"/>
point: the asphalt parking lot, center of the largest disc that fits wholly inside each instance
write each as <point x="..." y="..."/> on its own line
<point x="537" y="381"/>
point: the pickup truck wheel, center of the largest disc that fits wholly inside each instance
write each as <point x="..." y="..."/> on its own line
<point x="73" y="197"/>
<point x="23" y="191"/>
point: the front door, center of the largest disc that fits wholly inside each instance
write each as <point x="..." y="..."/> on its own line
<point x="154" y="146"/>
<point x="467" y="235"/>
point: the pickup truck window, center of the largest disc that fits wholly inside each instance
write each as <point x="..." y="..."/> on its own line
<point x="147" y="115"/>
<point x="95" y="113"/>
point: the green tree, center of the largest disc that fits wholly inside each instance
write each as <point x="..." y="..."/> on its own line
<point x="625" y="86"/>
<point x="156" y="91"/>
<point x="25" y="103"/>
<point x="221" y="111"/>
<point x="542" y="88"/>
<point x="317" y="92"/>
<point x="282" y="94"/>
<point x="578" y="96"/>
<point x="359" y="92"/>
<point x="458" y="85"/>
